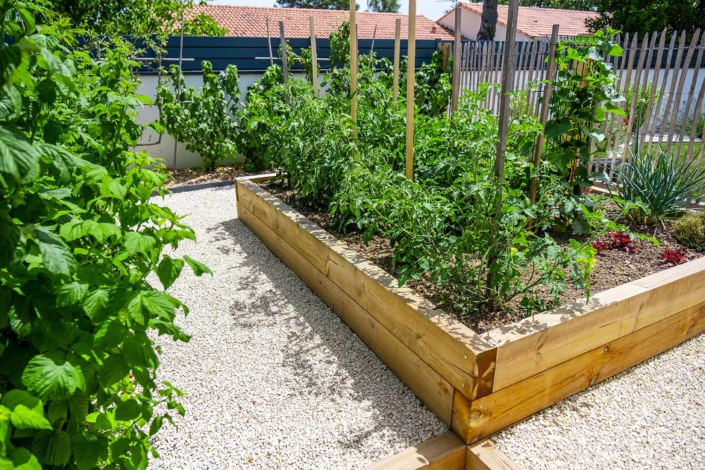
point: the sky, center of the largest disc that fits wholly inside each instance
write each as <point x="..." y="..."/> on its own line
<point x="431" y="9"/>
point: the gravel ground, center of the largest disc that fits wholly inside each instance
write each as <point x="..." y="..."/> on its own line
<point x="274" y="378"/>
<point x="651" y="416"/>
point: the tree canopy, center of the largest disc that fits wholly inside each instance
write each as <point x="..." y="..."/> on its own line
<point x="317" y="4"/>
<point x="631" y="16"/>
<point x="561" y="4"/>
<point x="383" y="6"/>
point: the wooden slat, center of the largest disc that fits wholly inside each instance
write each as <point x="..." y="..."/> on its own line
<point x="666" y="72"/>
<point x="426" y="383"/>
<point x="614" y="117"/>
<point x="674" y="78"/>
<point x="452" y="349"/>
<point x="536" y="344"/>
<point x="691" y="98"/>
<point x="631" y="112"/>
<point x="681" y="83"/>
<point x="696" y="116"/>
<point x="494" y="412"/>
<point x="654" y="86"/>
<point x="444" y="452"/>
<point x="486" y="456"/>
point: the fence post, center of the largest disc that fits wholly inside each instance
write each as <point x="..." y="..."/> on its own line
<point x="508" y="71"/>
<point x="456" y="62"/>
<point x="353" y="63"/>
<point x="397" y="52"/>
<point x="410" y="102"/>
<point x="314" y="57"/>
<point x="544" y="111"/>
<point x="285" y="63"/>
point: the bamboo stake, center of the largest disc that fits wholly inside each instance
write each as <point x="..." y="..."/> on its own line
<point x="455" y="93"/>
<point x="314" y="57"/>
<point x="269" y="42"/>
<point x="507" y="83"/>
<point x="353" y="63"/>
<point x="410" y="102"/>
<point x="374" y="35"/>
<point x="397" y="52"/>
<point x="285" y="63"/>
<point x="662" y="93"/>
<point x="544" y="111"/>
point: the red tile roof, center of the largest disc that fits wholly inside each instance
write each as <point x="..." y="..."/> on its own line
<point x="536" y="22"/>
<point x="250" y="22"/>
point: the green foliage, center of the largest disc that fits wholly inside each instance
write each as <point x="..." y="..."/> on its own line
<point x="79" y="239"/>
<point x="690" y="230"/>
<point x="202" y="118"/>
<point x="383" y="6"/>
<point x="585" y="90"/>
<point x="662" y="184"/>
<point x="138" y="18"/>
<point x="639" y="16"/>
<point x="585" y="5"/>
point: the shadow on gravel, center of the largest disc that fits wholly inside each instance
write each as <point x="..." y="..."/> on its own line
<point x="311" y="327"/>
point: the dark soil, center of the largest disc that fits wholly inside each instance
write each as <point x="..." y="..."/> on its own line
<point x="613" y="267"/>
<point x="189" y="176"/>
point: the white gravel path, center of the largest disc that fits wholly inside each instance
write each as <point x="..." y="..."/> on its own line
<point x="274" y="378"/>
<point x="651" y="416"/>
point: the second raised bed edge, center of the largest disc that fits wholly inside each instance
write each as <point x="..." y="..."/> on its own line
<point x="478" y="384"/>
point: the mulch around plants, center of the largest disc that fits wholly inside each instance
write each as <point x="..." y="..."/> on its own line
<point x="614" y="267"/>
<point x="191" y="176"/>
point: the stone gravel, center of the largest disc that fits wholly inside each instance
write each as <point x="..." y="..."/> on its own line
<point x="651" y="416"/>
<point x="274" y="379"/>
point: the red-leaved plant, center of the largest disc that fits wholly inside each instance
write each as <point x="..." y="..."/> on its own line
<point x="601" y="245"/>
<point x="622" y="240"/>
<point x="673" y="256"/>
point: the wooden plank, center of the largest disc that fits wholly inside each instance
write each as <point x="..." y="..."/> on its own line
<point x="451" y="348"/>
<point x="489" y="414"/>
<point x="536" y="344"/>
<point x="444" y="452"/>
<point x="486" y="456"/>
<point x="681" y="83"/>
<point x="666" y="72"/>
<point x="426" y="383"/>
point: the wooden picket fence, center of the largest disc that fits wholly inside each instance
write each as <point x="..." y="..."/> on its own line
<point x="665" y="73"/>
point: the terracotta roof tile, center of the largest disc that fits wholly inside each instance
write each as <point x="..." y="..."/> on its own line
<point x="250" y="22"/>
<point x="536" y="22"/>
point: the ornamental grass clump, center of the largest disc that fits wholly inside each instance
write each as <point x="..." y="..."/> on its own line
<point x="659" y="185"/>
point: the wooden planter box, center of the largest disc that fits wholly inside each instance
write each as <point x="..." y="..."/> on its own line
<point x="475" y="383"/>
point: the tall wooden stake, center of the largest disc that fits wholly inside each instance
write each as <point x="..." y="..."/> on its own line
<point x="397" y="49"/>
<point x="353" y="62"/>
<point x="411" y="59"/>
<point x="283" y="46"/>
<point x="544" y="111"/>
<point x="269" y="42"/>
<point x="508" y="71"/>
<point x="314" y="57"/>
<point x="456" y="62"/>
<point x="178" y="85"/>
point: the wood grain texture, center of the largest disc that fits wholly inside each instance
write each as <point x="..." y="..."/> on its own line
<point x="486" y="456"/>
<point x="548" y="339"/>
<point x="444" y="452"/>
<point x="452" y="349"/>
<point x="427" y="384"/>
<point x="480" y="418"/>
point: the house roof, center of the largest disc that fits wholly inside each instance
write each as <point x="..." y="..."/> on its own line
<point x="250" y="22"/>
<point x="536" y="22"/>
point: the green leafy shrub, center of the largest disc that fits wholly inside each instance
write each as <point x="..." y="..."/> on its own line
<point x="660" y="184"/>
<point x="690" y="230"/>
<point x="78" y="370"/>
<point x="203" y="118"/>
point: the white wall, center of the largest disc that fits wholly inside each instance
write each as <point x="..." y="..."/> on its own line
<point x="470" y="26"/>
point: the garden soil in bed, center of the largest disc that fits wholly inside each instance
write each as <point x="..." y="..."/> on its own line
<point x="614" y="267"/>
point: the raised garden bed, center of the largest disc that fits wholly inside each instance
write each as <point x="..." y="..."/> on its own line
<point x="476" y="383"/>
